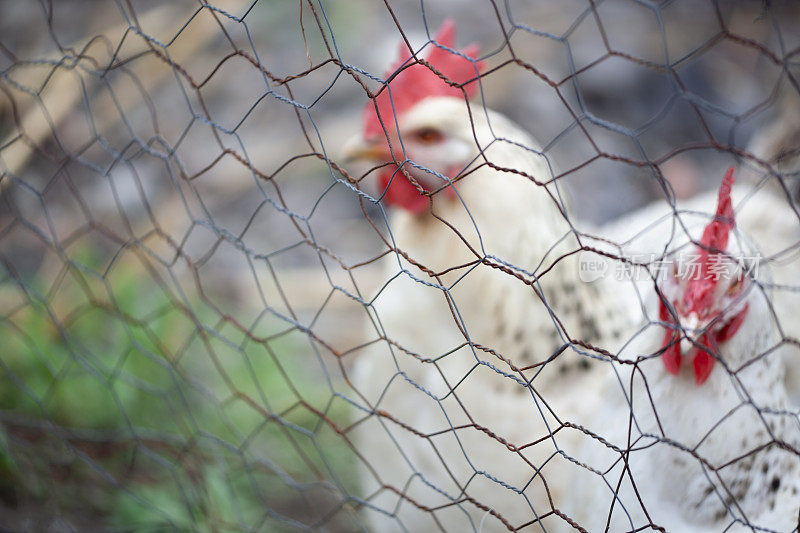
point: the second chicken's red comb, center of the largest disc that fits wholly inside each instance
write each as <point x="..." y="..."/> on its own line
<point x="700" y="291"/>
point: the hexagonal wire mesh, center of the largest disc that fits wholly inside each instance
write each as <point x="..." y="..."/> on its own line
<point x="212" y="321"/>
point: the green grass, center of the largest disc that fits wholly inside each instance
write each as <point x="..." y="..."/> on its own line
<point x="183" y="420"/>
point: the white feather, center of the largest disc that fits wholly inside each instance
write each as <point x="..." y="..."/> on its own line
<point x="456" y="415"/>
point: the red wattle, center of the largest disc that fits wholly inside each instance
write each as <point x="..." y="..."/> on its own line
<point x="663" y="314"/>
<point x="672" y="355"/>
<point x="702" y="362"/>
<point x="402" y="193"/>
<point x="729" y="330"/>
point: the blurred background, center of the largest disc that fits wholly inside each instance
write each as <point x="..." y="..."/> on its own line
<point x="181" y="258"/>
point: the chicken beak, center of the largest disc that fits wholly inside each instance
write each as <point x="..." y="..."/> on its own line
<point x="692" y="326"/>
<point x="694" y="329"/>
<point x="360" y="149"/>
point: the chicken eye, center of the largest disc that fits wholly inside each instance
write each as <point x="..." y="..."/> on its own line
<point x="736" y="285"/>
<point x="428" y="135"/>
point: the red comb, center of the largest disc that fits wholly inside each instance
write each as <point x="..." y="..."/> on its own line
<point x="716" y="233"/>
<point x="417" y="82"/>
<point x="700" y="291"/>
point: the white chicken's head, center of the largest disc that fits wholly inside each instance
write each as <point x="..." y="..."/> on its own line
<point x="418" y="126"/>
<point x="706" y="292"/>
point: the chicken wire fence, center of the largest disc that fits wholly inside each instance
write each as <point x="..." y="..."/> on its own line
<point x="191" y="272"/>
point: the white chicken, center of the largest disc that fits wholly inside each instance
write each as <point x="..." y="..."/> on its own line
<point x="764" y="212"/>
<point x="484" y="329"/>
<point x="704" y="425"/>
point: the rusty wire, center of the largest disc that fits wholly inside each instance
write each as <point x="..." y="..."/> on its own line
<point x="162" y="264"/>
